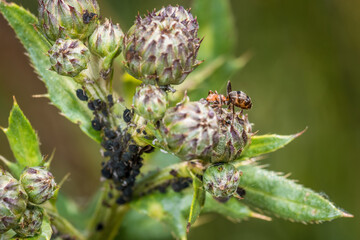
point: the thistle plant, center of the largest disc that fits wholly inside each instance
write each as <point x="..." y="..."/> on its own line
<point x="74" y="51"/>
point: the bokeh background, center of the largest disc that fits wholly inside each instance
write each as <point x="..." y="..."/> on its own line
<point x="304" y="72"/>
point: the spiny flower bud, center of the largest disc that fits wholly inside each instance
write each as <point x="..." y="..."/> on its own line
<point x="68" y="18"/>
<point x="38" y="183"/>
<point x="190" y="130"/>
<point x="106" y="39"/>
<point x="150" y="102"/>
<point x="235" y="135"/>
<point x="69" y="57"/>
<point x="162" y="47"/>
<point x="13" y="200"/>
<point x="30" y="222"/>
<point x="221" y="180"/>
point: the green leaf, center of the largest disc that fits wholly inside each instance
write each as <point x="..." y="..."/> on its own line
<point x="23" y="141"/>
<point x="171" y="208"/>
<point x="61" y="90"/>
<point x="268" y="143"/>
<point x="216" y="23"/>
<point x="275" y="194"/>
<point x="46" y="231"/>
<point x="197" y="202"/>
<point x="233" y="209"/>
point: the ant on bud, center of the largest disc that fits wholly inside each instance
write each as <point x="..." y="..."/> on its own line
<point x="233" y="98"/>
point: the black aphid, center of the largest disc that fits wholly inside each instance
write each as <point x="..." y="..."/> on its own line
<point x="96" y="124"/>
<point x="81" y="94"/>
<point x="110" y="100"/>
<point x="127" y="115"/>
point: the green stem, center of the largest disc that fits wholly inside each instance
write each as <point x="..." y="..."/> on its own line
<point x="65" y="227"/>
<point x="61" y="223"/>
<point x="115" y="220"/>
<point x="111" y="219"/>
<point x="100" y="211"/>
<point x="108" y="213"/>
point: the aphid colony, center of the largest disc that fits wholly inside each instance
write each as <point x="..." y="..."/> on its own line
<point x="124" y="155"/>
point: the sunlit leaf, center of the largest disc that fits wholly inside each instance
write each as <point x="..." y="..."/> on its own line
<point x="61" y="90"/>
<point x="284" y="198"/>
<point x="267" y="143"/>
<point x="23" y="141"/>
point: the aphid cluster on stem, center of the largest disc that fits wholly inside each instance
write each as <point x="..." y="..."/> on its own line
<point x="124" y="162"/>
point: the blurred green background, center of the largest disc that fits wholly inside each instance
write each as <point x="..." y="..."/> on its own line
<point x="304" y="72"/>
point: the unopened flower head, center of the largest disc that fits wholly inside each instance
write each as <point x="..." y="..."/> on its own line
<point x="69" y="57"/>
<point x="162" y="47"/>
<point x="68" y="18"/>
<point x="30" y="222"/>
<point x="150" y="102"/>
<point x="38" y="183"/>
<point x="221" y="180"/>
<point x="235" y="135"/>
<point x="13" y="201"/>
<point x="106" y="39"/>
<point x="190" y="130"/>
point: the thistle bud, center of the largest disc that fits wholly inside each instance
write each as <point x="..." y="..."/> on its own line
<point x="235" y="135"/>
<point x="30" y="222"/>
<point x="38" y="183"/>
<point x="68" y="18"/>
<point x="190" y="130"/>
<point x="150" y="102"/>
<point x="106" y="39"/>
<point x="162" y="47"/>
<point x="13" y="201"/>
<point x="221" y="180"/>
<point x="69" y="57"/>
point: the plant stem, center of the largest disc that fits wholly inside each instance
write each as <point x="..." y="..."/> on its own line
<point x="61" y="223"/>
<point x="108" y="213"/>
<point x="100" y="211"/>
<point x="114" y="221"/>
<point x="65" y="227"/>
